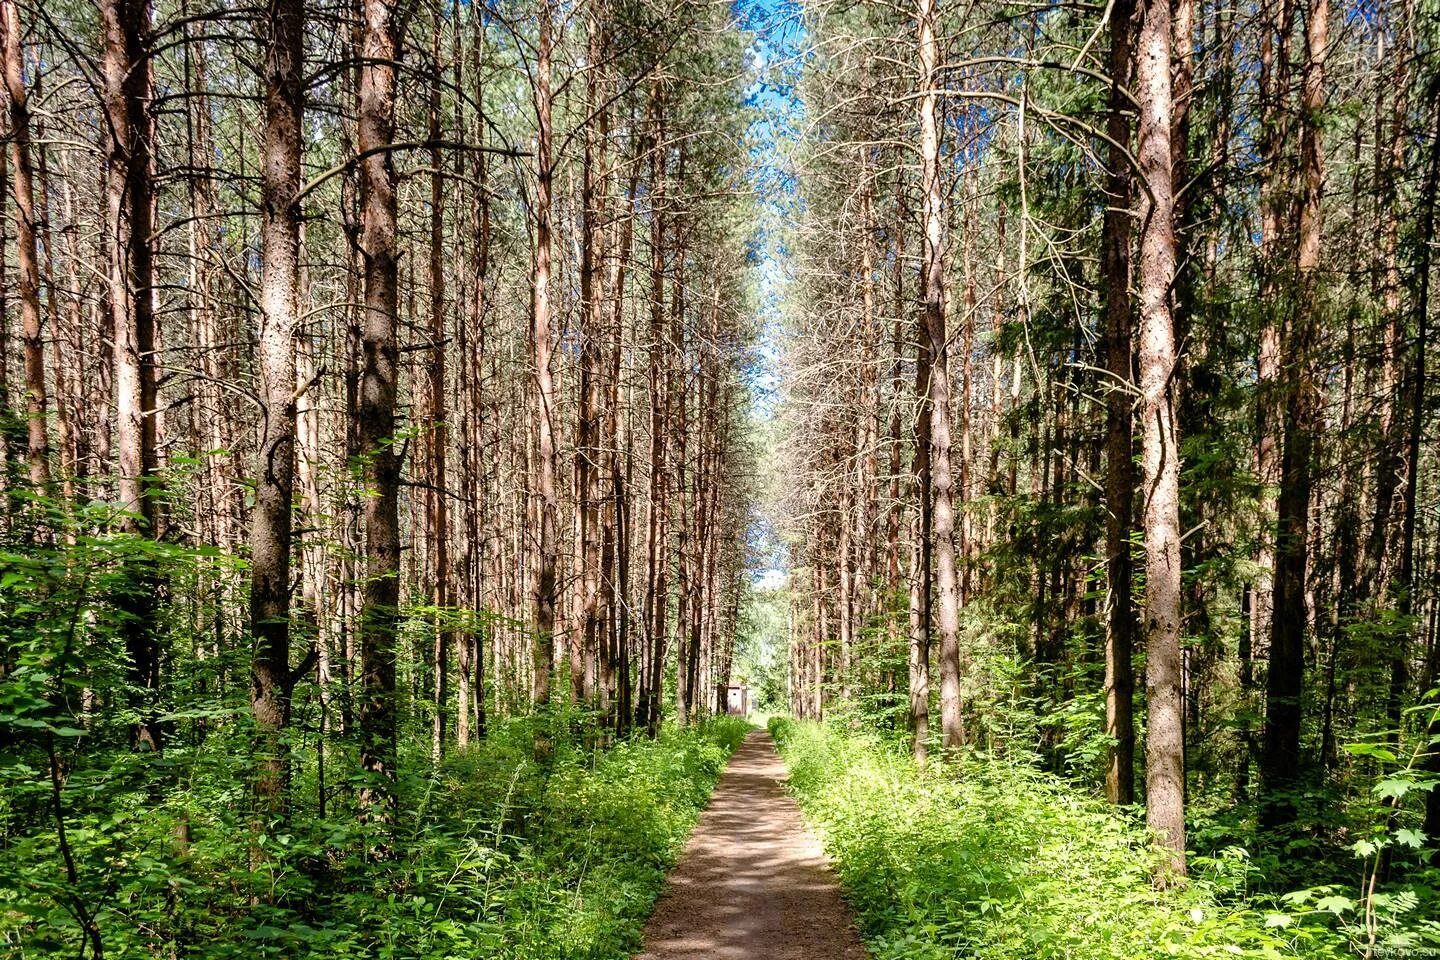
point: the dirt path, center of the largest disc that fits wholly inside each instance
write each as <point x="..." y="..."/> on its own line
<point x="753" y="883"/>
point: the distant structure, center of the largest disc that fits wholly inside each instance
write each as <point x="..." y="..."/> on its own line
<point x="734" y="700"/>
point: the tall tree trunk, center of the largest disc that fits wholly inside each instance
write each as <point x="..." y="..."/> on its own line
<point x="617" y="534"/>
<point x="677" y="395"/>
<point x="1119" y="401"/>
<point x="437" y="514"/>
<point x="546" y="582"/>
<point x="921" y="581"/>
<point x="899" y="402"/>
<point x="621" y="464"/>
<point x="270" y="524"/>
<point x="37" y="454"/>
<point x="63" y="355"/>
<point x="1428" y="199"/>
<point x="1405" y="586"/>
<point x="130" y="196"/>
<point x="375" y="415"/>
<point x="933" y="297"/>
<point x="1274" y="82"/>
<point x="657" y="531"/>
<point x="1285" y="682"/>
<point x="470" y="685"/>
<point x="1165" y="740"/>
<point x="5" y="453"/>
<point x="587" y="479"/>
<point x="677" y="390"/>
<point x="970" y="213"/>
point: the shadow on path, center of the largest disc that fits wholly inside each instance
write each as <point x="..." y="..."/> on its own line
<point x="753" y="883"/>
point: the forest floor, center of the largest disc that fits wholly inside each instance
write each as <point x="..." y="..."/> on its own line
<point x="753" y="881"/>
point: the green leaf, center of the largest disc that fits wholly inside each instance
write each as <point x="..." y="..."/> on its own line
<point x="1410" y="838"/>
<point x="265" y="932"/>
<point x="1393" y="788"/>
<point x="1376" y="750"/>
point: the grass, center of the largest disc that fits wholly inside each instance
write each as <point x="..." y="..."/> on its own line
<point x="494" y="856"/>
<point x="991" y="859"/>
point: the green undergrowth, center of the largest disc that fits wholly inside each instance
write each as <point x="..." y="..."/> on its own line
<point x="494" y="856"/>
<point x="992" y="859"/>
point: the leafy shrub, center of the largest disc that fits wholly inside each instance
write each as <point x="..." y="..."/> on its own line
<point x="992" y="859"/>
<point x="494" y="856"/>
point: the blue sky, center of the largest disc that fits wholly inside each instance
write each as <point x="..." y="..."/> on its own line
<point x="775" y="58"/>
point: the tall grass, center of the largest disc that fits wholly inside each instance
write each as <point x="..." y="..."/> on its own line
<point x="991" y="859"/>
<point x="494" y="856"/>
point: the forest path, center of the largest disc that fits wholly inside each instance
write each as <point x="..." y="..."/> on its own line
<point x="753" y="883"/>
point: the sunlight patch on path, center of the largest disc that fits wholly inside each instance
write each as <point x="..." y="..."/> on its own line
<point x="753" y="882"/>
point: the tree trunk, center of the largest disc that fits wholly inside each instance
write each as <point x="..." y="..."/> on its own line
<point x="1165" y="741"/>
<point x="1422" y="308"/>
<point x="621" y="465"/>
<point x="470" y="659"/>
<point x="1274" y="81"/>
<point x="1120" y="467"/>
<point x="63" y="354"/>
<point x="375" y="415"/>
<point x="920" y="559"/>
<point x="130" y="195"/>
<point x="270" y="524"/>
<point x="678" y="391"/>
<point x="657" y="533"/>
<point x="437" y="497"/>
<point x="933" y="297"/>
<point x="5" y="453"/>
<point x="1285" y="683"/>
<point x="37" y="454"/>
<point x="587" y="479"/>
<point x="546" y="582"/>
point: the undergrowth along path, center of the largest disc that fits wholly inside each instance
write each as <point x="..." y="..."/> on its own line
<point x="753" y="881"/>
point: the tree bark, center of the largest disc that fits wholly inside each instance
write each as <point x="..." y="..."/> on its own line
<point x="1285" y="682"/>
<point x="592" y="294"/>
<point x="933" y="297"/>
<point x="657" y="531"/>
<point x="5" y="452"/>
<point x="37" y="453"/>
<point x="63" y="355"/>
<point x="921" y="581"/>
<point x="1428" y="199"/>
<point x="283" y="29"/>
<point x="547" y="560"/>
<point x="437" y="514"/>
<point x="1273" y="81"/>
<point x="1165" y="743"/>
<point x="130" y="202"/>
<point x="375" y="414"/>
<point x="1119" y="439"/>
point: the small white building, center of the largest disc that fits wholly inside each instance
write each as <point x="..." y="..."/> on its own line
<point x="733" y="699"/>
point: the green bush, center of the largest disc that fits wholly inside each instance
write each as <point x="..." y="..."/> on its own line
<point x="493" y="856"/>
<point x="992" y="859"/>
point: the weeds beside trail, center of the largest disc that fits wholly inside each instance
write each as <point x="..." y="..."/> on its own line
<point x="494" y="858"/>
<point x="994" y="860"/>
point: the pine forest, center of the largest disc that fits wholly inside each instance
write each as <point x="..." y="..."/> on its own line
<point x="679" y="479"/>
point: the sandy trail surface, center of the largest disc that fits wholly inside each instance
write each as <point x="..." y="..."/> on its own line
<point x="753" y="883"/>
